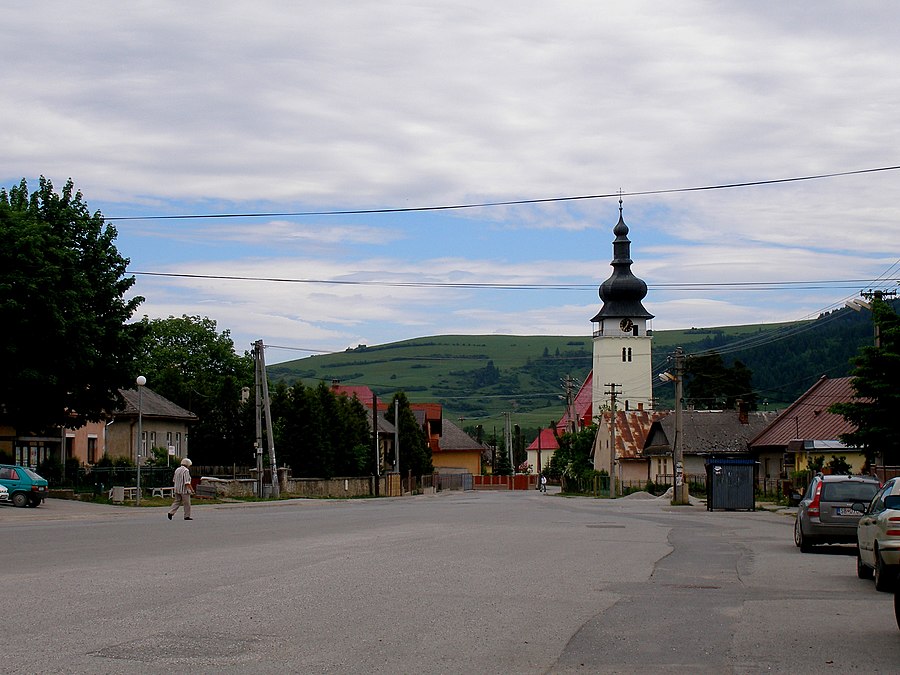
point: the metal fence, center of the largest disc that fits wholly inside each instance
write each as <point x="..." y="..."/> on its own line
<point x="453" y="481"/>
<point x="100" y="479"/>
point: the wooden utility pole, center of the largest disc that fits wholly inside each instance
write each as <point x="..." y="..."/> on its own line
<point x="613" y="393"/>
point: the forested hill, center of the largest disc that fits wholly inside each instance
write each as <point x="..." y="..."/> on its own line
<point x="480" y="377"/>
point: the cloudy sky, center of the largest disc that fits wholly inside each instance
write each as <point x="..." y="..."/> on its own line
<point x="275" y="108"/>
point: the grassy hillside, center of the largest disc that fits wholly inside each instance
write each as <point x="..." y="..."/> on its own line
<point x="481" y="377"/>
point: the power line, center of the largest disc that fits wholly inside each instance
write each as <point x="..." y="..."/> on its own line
<point x="515" y="202"/>
<point x="693" y="286"/>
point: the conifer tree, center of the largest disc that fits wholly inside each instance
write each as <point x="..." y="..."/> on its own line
<point x="875" y="383"/>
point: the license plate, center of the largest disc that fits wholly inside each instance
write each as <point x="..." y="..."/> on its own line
<point x="845" y="511"/>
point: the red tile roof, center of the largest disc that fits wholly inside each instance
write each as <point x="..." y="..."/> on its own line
<point x="547" y="441"/>
<point x="632" y="427"/>
<point x="808" y="417"/>
<point x="360" y="391"/>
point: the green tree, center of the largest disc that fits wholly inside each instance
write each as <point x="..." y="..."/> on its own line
<point x="710" y="384"/>
<point x="415" y="455"/>
<point x="873" y="411"/>
<point x="503" y="467"/>
<point x="320" y="434"/>
<point x="572" y="458"/>
<point x="65" y="345"/>
<point x="191" y="363"/>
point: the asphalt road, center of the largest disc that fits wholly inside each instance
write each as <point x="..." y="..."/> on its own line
<point x="486" y="582"/>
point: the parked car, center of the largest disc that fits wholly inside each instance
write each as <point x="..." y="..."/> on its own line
<point x="4" y="494"/>
<point x="26" y="487"/>
<point x="826" y="514"/>
<point x="878" y="537"/>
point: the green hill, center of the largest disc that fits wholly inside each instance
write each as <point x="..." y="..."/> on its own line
<point x="478" y="378"/>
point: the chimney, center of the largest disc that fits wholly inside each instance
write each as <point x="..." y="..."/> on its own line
<point x="743" y="412"/>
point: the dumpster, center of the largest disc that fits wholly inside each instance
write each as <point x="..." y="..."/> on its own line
<point x="730" y="484"/>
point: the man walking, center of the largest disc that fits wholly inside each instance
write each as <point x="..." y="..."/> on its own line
<point x="183" y="490"/>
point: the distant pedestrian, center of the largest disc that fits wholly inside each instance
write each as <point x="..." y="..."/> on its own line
<point x="543" y="483"/>
<point x="183" y="490"/>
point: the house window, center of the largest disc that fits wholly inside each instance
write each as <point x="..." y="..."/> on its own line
<point x="662" y="469"/>
<point x="92" y="450"/>
<point x="178" y="443"/>
<point x="152" y="440"/>
<point x="143" y="449"/>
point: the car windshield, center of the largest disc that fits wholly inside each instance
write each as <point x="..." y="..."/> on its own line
<point x="849" y="491"/>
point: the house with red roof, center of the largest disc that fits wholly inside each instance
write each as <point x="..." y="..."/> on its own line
<point x="806" y="430"/>
<point x="577" y="416"/>
<point x="628" y="430"/>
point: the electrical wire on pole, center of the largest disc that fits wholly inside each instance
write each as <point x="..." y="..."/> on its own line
<point x="613" y="393"/>
<point x="680" y="489"/>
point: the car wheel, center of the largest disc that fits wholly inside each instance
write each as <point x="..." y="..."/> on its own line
<point x="20" y="499"/>
<point x="884" y="580"/>
<point x="802" y="542"/>
<point x="863" y="571"/>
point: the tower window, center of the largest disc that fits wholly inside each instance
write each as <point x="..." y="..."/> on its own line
<point x="629" y="355"/>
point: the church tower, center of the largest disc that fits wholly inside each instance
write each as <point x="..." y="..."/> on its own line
<point x="622" y="334"/>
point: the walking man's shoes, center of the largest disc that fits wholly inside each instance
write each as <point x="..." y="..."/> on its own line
<point x="170" y="516"/>
<point x="188" y="518"/>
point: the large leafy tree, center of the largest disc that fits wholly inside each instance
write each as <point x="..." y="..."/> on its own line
<point x="415" y="455"/>
<point x="875" y="383"/>
<point x="66" y="346"/>
<point x="190" y="362"/>
<point x="572" y="459"/>
<point x="320" y="434"/>
<point x="711" y="384"/>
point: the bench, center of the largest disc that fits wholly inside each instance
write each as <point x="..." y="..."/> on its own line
<point x="163" y="492"/>
<point x="127" y="492"/>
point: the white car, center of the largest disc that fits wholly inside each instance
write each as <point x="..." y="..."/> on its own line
<point x="4" y="494"/>
<point x="878" y="537"/>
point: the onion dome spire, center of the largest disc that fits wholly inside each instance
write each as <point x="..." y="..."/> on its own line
<point x="622" y="292"/>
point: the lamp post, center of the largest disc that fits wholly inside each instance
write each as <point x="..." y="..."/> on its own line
<point x="140" y="381"/>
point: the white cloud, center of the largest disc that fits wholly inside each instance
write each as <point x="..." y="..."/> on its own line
<point x="282" y="107"/>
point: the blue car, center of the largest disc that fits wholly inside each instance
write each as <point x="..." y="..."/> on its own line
<point x="26" y="488"/>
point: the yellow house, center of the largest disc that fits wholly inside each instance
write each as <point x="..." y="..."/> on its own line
<point x="457" y="451"/>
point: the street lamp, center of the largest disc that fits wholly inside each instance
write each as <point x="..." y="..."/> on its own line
<point x="140" y="381"/>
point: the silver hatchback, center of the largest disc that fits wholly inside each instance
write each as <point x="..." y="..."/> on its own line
<point x="826" y="514"/>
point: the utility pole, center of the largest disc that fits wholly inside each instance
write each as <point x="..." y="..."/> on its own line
<point x="375" y="440"/>
<point x="267" y="409"/>
<point x="612" y="392"/>
<point x="397" y="435"/>
<point x="879" y="296"/>
<point x="258" y="445"/>
<point x="680" y="491"/>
